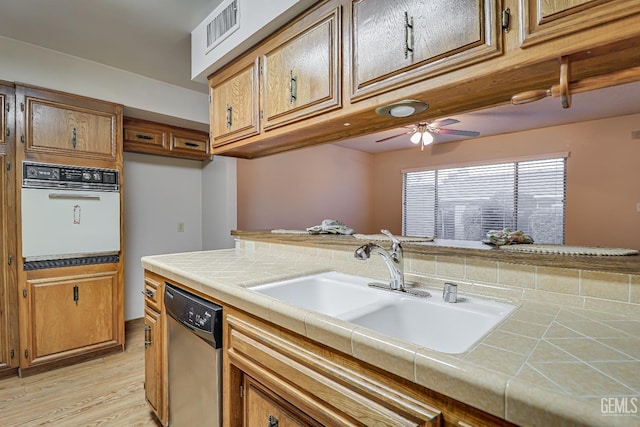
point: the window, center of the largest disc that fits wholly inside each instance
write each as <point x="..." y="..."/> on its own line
<point x="464" y="203"/>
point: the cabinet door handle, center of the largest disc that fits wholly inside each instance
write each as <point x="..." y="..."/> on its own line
<point x="76" y="294"/>
<point x="293" y="87"/>
<point x="408" y="35"/>
<point x="147" y="336"/>
<point x="148" y="293"/>
<point x="191" y="144"/>
<point x="229" y="116"/>
<point x="272" y="421"/>
<point x="146" y="137"/>
<point x="74" y="137"/>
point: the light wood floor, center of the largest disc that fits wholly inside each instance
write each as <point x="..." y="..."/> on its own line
<point x="102" y="392"/>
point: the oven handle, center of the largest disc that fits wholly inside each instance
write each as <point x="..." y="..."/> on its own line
<point x="74" y="196"/>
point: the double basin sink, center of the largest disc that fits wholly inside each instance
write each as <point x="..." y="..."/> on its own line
<point x="428" y="322"/>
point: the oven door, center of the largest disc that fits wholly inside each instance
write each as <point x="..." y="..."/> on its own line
<point x="69" y="223"/>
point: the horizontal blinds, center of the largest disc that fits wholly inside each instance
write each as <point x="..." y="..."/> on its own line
<point x="541" y="199"/>
<point x="465" y="203"/>
<point x="419" y="204"/>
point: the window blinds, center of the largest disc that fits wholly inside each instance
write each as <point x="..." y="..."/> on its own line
<point x="465" y="203"/>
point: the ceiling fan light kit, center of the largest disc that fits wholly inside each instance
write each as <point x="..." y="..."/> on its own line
<point x="406" y="108"/>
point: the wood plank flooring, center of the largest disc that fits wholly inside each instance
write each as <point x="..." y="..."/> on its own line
<point x="103" y="392"/>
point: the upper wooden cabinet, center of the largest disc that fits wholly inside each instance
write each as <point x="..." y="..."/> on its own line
<point x="234" y="108"/>
<point x="397" y="43"/>
<point x="546" y="20"/>
<point x="142" y="136"/>
<point x="301" y="77"/>
<point x="62" y="124"/>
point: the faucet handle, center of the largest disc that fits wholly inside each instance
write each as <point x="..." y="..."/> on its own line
<point x="393" y="238"/>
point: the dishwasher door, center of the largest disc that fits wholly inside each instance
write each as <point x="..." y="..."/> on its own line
<point x="194" y="360"/>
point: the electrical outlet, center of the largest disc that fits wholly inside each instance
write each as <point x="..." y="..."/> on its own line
<point x="181" y="227"/>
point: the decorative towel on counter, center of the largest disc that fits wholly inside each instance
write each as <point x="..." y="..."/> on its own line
<point x="330" y="226"/>
<point x="506" y="237"/>
<point x="570" y="250"/>
<point x="282" y="231"/>
<point x="385" y="238"/>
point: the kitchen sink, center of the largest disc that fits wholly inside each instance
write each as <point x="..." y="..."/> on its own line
<point x="427" y="322"/>
<point x="435" y="324"/>
<point x="332" y="293"/>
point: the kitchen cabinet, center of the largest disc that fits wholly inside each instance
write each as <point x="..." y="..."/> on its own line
<point x="301" y="76"/>
<point x="154" y="351"/>
<point x="264" y="408"/>
<point x="460" y="57"/>
<point x="70" y="313"/>
<point x="9" y="357"/>
<point x="148" y="137"/>
<point x="326" y="388"/>
<point x="234" y="109"/>
<point x="397" y="43"/>
<point x="273" y="375"/>
<point x="60" y="124"/>
<point x="547" y="20"/>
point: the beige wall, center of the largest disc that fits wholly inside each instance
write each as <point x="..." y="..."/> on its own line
<point x="603" y="175"/>
<point x="300" y="188"/>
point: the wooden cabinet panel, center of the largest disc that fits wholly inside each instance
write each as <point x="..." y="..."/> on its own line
<point x="152" y="359"/>
<point x="265" y="408"/>
<point x="72" y="314"/>
<point x="59" y="127"/>
<point x="397" y="43"/>
<point x="143" y="136"/>
<point x="154" y="347"/>
<point x="549" y="19"/>
<point x="301" y="77"/>
<point x="63" y="124"/>
<point x="197" y="144"/>
<point x="234" y="109"/>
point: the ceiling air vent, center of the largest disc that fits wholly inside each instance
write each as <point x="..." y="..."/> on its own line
<point x="223" y="24"/>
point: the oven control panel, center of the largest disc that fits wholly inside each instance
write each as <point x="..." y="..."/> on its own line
<point x="43" y="175"/>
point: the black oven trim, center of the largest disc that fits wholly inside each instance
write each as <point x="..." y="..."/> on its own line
<point x="70" y="262"/>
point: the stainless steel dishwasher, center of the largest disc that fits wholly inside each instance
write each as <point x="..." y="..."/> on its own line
<point x="194" y="347"/>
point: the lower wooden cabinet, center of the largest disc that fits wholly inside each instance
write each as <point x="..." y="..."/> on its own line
<point x="155" y="390"/>
<point x="274" y="377"/>
<point x="68" y="314"/>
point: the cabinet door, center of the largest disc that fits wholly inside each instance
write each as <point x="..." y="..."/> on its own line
<point x="63" y="124"/>
<point x="234" y="108"/>
<point x="301" y="77"/>
<point x="70" y="315"/>
<point x="546" y="20"/>
<point x="401" y="42"/>
<point x="141" y="136"/>
<point x="190" y="144"/>
<point x="152" y="360"/>
<point x="262" y="407"/>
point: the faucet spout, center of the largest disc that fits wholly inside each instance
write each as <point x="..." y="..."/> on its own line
<point x="392" y="258"/>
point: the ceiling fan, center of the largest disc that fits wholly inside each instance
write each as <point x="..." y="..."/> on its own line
<point x="423" y="131"/>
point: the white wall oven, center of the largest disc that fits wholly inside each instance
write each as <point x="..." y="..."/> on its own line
<point x="70" y="215"/>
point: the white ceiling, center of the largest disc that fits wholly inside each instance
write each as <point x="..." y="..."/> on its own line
<point x="152" y="38"/>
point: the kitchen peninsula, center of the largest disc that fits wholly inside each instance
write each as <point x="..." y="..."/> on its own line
<point x="566" y="355"/>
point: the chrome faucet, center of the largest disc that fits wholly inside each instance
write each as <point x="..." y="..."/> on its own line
<point x="392" y="258"/>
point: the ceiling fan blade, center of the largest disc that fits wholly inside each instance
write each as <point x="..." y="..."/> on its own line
<point x="443" y="122"/>
<point x="395" y="136"/>
<point x="457" y="132"/>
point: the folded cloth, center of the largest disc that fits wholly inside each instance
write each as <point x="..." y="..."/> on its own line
<point x="386" y="238"/>
<point x="330" y="226"/>
<point x="506" y="237"/>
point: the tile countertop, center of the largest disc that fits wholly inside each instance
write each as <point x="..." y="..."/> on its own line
<point x="544" y="365"/>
